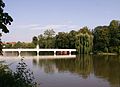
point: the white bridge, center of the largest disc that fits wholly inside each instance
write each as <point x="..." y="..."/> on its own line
<point x="38" y="50"/>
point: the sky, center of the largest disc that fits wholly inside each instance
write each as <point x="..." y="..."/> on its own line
<point x="33" y="17"/>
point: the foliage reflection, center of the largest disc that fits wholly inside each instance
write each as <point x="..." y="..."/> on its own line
<point x="105" y="67"/>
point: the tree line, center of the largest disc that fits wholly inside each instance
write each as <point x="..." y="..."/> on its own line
<point x="81" y="40"/>
<point x="107" y="38"/>
<point x="101" y="39"/>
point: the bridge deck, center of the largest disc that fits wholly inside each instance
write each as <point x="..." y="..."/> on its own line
<point x="38" y="49"/>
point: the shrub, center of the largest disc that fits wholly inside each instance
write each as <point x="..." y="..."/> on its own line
<point x="23" y="77"/>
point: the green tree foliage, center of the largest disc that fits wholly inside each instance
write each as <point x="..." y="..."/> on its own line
<point x="101" y="38"/>
<point x="5" y="19"/>
<point x="49" y="33"/>
<point x="35" y="40"/>
<point x="72" y="39"/>
<point x="107" y="38"/>
<point x="0" y="45"/>
<point x="41" y="41"/>
<point x="84" y="42"/>
<point x="49" y="38"/>
<point x="114" y="35"/>
<point x="69" y="40"/>
<point x="23" y="77"/>
<point x="20" y="45"/>
<point x="62" y="40"/>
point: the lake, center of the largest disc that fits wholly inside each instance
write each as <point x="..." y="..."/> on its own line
<point x="71" y="71"/>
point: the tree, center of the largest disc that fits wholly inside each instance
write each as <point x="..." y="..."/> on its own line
<point x="84" y="41"/>
<point x="49" y="39"/>
<point x="35" y="40"/>
<point x="22" y="77"/>
<point x="41" y="41"/>
<point x="114" y="35"/>
<point x="62" y="40"/>
<point x="5" y="19"/>
<point x="30" y="45"/>
<point x="107" y="38"/>
<point x="18" y="45"/>
<point x="72" y="39"/>
<point x="101" y="39"/>
<point x="1" y="44"/>
<point x="49" y="33"/>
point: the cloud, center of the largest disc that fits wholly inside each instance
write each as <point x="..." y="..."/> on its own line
<point x="26" y="32"/>
<point x="28" y="26"/>
<point x="56" y="27"/>
<point x="53" y="26"/>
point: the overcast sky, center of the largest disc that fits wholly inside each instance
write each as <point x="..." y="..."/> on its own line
<point x="33" y="17"/>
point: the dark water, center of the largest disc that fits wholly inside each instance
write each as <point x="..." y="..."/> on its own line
<point x="82" y="71"/>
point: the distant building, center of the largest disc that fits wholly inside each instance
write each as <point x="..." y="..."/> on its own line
<point x="12" y="43"/>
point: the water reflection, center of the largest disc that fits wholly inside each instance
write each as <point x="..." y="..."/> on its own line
<point x="108" y="67"/>
<point x="104" y="67"/>
<point x="81" y="66"/>
<point x="82" y="71"/>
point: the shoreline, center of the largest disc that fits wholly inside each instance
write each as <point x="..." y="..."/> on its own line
<point x="107" y="54"/>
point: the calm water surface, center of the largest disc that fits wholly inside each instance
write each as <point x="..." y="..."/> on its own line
<point x="81" y="71"/>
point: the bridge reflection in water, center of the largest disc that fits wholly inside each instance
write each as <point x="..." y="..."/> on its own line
<point x="68" y="71"/>
<point x="40" y="56"/>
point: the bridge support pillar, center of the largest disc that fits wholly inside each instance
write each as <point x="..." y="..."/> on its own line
<point x="19" y="53"/>
<point x="37" y="53"/>
<point x="54" y="53"/>
<point x="69" y="52"/>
